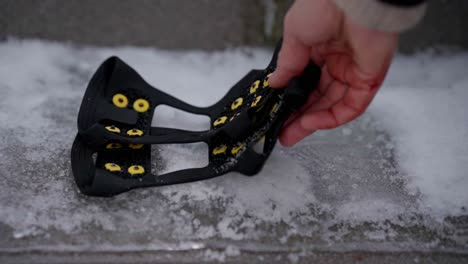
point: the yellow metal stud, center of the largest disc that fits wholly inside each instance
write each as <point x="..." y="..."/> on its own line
<point x="256" y="101"/>
<point x="112" y="167"/>
<point x="135" y="146"/>
<point x="237" y="149"/>
<point x="237" y="103"/>
<point x="220" y="120"/>
<point x="265" y="81"/>
<point x="141" y="105"/>
<point x="113" y="129"/>
<point x="136" y="170"/>
<point x="220" y="150"/>
<point x="113" y="146"/>
<point x="135" y="132"/>
<point x="120" y="100"/>
<point x="254" y="87"/>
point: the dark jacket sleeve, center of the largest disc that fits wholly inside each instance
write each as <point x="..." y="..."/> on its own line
<point x="384" y="15"/>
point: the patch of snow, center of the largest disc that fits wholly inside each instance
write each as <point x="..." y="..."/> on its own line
<point x="232" y="251"/>
<point x="166" y="116"/>
<point x="368" y="210"/>
<point x="400" y="166"/>
<point x="193" y="155"/>
<point x="427" y="119"/>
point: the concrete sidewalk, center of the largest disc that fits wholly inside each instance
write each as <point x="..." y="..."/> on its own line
<point x="198" y="256"/>
<point x="336" y="197"/>
<point x="44" y="219"/>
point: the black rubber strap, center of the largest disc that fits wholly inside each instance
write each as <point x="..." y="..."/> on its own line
<point x="404" y="3"/>
<point x="112" y="152"/>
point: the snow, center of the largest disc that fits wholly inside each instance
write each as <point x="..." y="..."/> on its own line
<point x="193" y="155"/>
<point x="428" y="122"/>
<point x="395" y="179"/>
<point x="166" y="116"/>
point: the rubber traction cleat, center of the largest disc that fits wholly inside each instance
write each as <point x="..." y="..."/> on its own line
<point x="112" y="152"/>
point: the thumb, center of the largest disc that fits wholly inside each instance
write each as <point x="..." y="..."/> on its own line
<point x="292" y="59"/>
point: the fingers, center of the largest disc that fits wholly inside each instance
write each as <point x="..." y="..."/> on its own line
<point x="330" y="91"/>
<point x="293" y="133"/>
<point x="351" y="105"/>
<point x="303" y="124"/>
<point x="292" y="59"/>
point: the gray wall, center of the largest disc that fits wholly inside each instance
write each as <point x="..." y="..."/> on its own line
<point x="445" y="24"/>
<point x="203" y="24"/>
<point x="199" y="24"/>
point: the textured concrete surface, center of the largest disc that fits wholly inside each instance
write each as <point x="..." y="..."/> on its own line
<point x="97" y="224"/>
<point x="203" y="24"/>
<point x="44" y="219"/>
<point x="246" y="257"/>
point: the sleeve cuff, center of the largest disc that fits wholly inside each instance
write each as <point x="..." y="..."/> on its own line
<point x="382" y="16"/>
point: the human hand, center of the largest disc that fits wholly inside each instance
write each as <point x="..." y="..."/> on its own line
<point x="354" y="61"/>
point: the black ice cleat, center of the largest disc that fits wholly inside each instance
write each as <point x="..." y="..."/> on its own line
<point x="112" y="151"/>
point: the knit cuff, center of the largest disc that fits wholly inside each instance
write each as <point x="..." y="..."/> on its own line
<point x="382" y="16"/>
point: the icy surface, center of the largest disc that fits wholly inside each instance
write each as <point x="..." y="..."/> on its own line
<point x="395" y="179"/>
<point x="426" y="113"/>
<point x="166" y="116"/>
